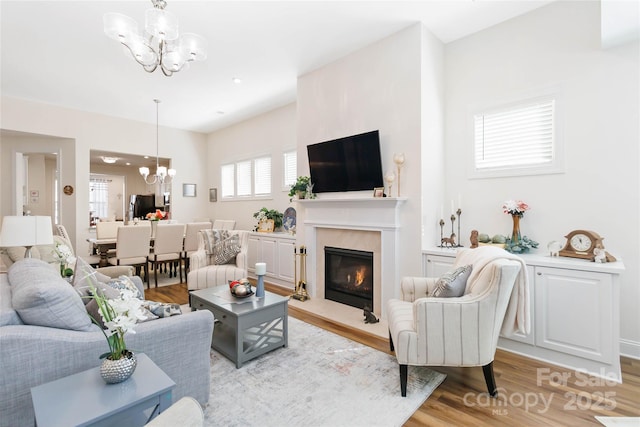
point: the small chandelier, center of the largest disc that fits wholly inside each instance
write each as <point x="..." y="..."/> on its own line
<point x="160" y="45"/>
<point x="161" y="171"/>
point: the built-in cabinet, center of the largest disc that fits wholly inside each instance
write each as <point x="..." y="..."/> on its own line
<point x="277" y="251"/>
<point x="575" y="311"/>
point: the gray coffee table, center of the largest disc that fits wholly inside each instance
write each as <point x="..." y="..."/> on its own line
<point x="245" y="327"/>
<point x="85" y="399"/>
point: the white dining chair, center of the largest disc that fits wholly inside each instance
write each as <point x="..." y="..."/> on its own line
<point x="168" y="249"/>
<point x="132" y="248"/>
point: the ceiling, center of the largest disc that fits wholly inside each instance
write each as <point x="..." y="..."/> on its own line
<point x="56" y="52"/>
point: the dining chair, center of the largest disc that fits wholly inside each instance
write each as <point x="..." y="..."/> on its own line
<point x="168" y="249"/>
<point x="191" y="241"/>
<point x="92" y="260"/>
<point x="132" y="248"/>
<point x="107" y="229"/>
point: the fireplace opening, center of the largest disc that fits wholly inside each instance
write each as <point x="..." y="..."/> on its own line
<point x="348" y="276"/>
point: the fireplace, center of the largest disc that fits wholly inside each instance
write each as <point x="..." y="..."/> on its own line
<point x="348" y="276"/>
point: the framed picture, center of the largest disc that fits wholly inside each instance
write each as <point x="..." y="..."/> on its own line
<point x="378" y="192"/>
<point x="213" y="194"/>
<point x="266" y="226"/>
<point x="188" y="190"/>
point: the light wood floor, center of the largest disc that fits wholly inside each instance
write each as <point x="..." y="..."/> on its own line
<point x="531" y="392"/>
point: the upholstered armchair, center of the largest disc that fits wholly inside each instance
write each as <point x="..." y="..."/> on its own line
<point x="205" y="273"/>
<point x="461" y="330"/>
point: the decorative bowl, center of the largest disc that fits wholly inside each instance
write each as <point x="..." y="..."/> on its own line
<point x="242" y="290"/>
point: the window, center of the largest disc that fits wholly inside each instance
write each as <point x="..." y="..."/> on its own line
<point x="290" y="168"/>
<point x="516" y="140"/>
<point x="99" y="197"/>
<point x="246" y="178"/>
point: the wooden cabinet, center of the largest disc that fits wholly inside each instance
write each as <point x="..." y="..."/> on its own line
<point x="574" y="311"/>
<point x="276" y="250"/>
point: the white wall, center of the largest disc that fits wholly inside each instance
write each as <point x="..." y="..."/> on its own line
<point x="93" y="131"/>
<point x="379" y="87"/>
<point x="556" y="47"/>
<point x="271" y="133"/>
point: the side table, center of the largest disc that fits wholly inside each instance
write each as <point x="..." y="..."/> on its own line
<point x="84" y="398"/>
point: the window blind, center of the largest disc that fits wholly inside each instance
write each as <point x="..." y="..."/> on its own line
<point x="227" y="181"/>
<point x="290" y="168"/>
<point x="262" y="176"/>
<point x="520" y="137"/>
<point x="243" y="178"/>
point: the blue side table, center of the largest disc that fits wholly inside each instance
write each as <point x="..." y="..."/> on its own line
<point x="84" y="398"/>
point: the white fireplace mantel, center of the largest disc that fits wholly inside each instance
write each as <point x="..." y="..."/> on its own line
<point x="359" y="214"/>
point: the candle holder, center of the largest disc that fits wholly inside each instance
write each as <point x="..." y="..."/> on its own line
<point x="261" y="268"/>
<point x="441" y="233"/>
<point x="390" y="177"/>
<point x="399" y="161"/>
<point x="459" y="213"/>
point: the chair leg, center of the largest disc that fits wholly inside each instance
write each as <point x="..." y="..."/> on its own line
<point x="391" y="348"/>
<point x="155" y="272"/>
<point x="490" y="379"/>
<point x="403" y="380"/>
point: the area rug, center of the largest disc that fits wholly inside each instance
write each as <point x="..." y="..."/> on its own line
<point x="320" y="379"/>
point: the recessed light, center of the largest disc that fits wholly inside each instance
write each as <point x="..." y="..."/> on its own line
<point x="220" y="112"/>
<point x="236" y="80"/>
<point x="109" y="159"/>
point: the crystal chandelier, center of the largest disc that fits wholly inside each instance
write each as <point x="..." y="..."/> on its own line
<point x="161" y="171"/>
<point x="160" y="46"/>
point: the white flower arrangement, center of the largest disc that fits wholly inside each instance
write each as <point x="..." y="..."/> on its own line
<point x="64" y="255"/>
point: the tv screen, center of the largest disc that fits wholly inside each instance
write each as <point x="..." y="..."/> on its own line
<point x="352" y="163"/>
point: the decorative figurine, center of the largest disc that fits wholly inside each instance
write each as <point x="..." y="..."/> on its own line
<point x="449" y="241"/>
<point x="554" y="248"/>
<point x="369" y="317"/>
<point x="600" y="253"/>
<point x="474" y="239"/>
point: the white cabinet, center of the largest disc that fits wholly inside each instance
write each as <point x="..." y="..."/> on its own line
<point x="276" y="250"/>
<point x="574" y="307"/>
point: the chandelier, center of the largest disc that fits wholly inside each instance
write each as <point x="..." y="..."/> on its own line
<point x="161" y="171"/>
<point x="160" y="45"/>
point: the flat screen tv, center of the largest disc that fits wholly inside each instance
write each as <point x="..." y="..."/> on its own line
<point x="352" y="163"/>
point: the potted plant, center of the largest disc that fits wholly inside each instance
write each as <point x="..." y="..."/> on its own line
<point x="266" y="214"/>
<point x="300" y="188"/>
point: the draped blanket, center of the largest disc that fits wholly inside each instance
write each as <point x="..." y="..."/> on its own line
<point x="518" y="316"/>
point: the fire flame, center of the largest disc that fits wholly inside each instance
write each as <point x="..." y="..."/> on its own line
<point x="359" y="277"/>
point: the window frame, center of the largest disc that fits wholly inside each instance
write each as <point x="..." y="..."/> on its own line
<point x="252" y="175"/>
<point x="556" y="165"/>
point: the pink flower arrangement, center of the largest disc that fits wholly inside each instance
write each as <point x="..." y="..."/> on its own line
<point x="515" y="207"/>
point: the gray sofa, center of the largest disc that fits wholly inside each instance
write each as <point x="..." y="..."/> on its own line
<point x="31" y="355"/>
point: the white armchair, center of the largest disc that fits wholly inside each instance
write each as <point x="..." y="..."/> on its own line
<point x="460" y="331"/>
<point x="204" y="274"/>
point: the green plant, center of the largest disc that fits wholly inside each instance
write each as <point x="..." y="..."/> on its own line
<point x="522" y="246"/>
<point x="273" y="214"/>
<point x="301" y="185"/>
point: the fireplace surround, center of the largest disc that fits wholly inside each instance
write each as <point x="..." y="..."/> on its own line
<point x="348" y="276"/>
<point x="368" y="224"/>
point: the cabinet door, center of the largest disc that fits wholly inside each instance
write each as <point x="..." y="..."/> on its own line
<point x="253" y="253"/>
<point x="438" y="265"/>
<point x="269" y="255"/>
<point x="286" y="262"/>
<point x="574" y="312"/>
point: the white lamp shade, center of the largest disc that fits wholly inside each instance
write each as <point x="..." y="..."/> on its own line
<point x="171" y="172"/>
<point x="161" y="24"/>
<point x="119" y="27"/>
<point x="161" y="171"/>
<point x="193" y="46"/>
<point x="144" y="171"/>
<point x="26" y="231"/>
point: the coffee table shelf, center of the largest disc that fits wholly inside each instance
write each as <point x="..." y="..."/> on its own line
<point x="245" y="328"/>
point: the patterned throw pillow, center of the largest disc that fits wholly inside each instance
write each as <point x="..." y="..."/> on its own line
<point x="220" y="245"/>
<point x="124" y="282"/>
<point x="453" y="283"/>
<point x="85" y="275"/>
<point x="160" y="309"/>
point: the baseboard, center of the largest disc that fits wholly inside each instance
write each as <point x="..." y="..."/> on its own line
<point x="630" y="349"/>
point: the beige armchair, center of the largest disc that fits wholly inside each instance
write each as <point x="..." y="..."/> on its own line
<point x="204" y="274"/>
<point x="460" y="331"/>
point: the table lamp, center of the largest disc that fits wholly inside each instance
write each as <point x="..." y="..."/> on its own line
<point x="26" y="231"/>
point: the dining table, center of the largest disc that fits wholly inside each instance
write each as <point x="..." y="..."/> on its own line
<point x="102" y="246"/>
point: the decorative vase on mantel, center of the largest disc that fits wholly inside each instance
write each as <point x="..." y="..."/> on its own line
<point x="116" y="371"/>
<point x="515" y="233"/>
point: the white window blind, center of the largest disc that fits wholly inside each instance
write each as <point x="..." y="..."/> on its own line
<point x="514" y="138"/>
<point x="243" y="178"/>
<point x="290" y="168"/>
<point x="262" y="176"/>
<point x="99" y="197"/>
<point x="227" y="180"/>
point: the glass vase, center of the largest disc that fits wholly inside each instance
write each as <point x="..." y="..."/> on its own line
<point x="515" y="233"/>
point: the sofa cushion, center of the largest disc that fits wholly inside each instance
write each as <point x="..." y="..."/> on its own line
<point x="8" y="316"/>
<point x="16" y="253"/>
<point x="453" y="283"/>
<point x="43" y="298"/>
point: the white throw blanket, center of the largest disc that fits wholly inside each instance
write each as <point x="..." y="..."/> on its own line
<point x="518" y="316"/>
